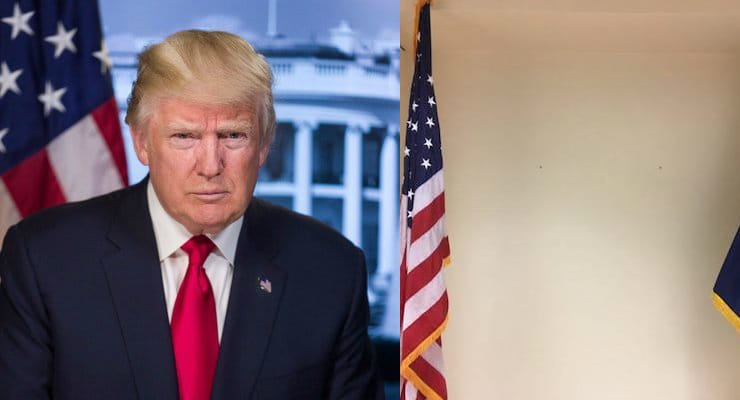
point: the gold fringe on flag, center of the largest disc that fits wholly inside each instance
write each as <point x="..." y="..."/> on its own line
<point x="726" y="311"/>
<point x="409" y="373"/>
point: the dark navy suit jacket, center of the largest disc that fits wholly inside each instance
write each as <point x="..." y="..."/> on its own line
<point x="82" y="309"/>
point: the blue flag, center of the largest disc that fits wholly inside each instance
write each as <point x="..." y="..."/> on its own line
<point x="726" y="296"/>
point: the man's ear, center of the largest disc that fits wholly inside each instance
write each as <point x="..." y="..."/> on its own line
<point x="264" y="151"/>
<point x="141" y="145"/>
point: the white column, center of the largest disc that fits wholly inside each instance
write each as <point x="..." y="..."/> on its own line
<point x="352" y="210"/>
<point x="389" y="202"/>
<point x="303" y="168"/>
<point x="387" y="276"/>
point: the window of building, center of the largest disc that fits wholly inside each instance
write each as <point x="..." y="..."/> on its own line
<point x="283" y="201"/>
<point x="372" y="142"/>
<point x="370" y="234"/>
<point x="328" y="154"/>
<point x="279" y="164"/>
<point x="328" y="211"/>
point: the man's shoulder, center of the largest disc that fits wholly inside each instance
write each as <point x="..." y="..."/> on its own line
<point x="91" y="215"/>
<point x="287" y="228"/>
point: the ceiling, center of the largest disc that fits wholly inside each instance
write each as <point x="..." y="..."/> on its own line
<point x="581" y="25"/>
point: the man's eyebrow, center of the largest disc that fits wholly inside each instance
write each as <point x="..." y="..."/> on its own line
<point x="235" y="126"/>
<point x="222" y="126"/>
<point x="183" y="125"/>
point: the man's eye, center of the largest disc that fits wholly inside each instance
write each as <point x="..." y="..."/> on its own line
<point x="181" y="136"/>
<point x="234" y="135"/>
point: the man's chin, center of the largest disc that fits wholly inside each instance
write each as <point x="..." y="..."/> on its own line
<point x="196" y="228"/>
<point x="211" y="224"/>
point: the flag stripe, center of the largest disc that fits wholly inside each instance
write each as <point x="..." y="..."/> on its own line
<point x="45" y="190"/>
<point x="403" y="284"/>
<point x="410" y="392"/>
<point x="425" y="271"/>
<point x="424" y="386"/>
<point x="83" y="174"/>
<point x="432" y="376"/>
<point x="106" y="118"/>
<point x="416" y="305"/>
<point x="427" y="217"/>
<point x="422" y="248"/>
<point x="427" y="192"/>
<point x="433" y="355"/>
<point x="417" y="335"/>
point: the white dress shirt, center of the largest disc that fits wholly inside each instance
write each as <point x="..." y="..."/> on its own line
<point x="219" y="265"/>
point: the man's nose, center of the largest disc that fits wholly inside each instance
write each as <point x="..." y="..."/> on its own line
<point x="210" y="157"/>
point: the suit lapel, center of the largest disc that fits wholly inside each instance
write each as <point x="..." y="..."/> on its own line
<point x="135" y="283"/>
<point x="251" y="312"/>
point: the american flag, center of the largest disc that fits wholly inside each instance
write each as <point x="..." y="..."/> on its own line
<point x="60" y="139"/>
<point x="424" y="245"/>
<point x="726" y="294"/>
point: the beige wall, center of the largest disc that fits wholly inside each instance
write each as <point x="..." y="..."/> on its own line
<point x="592" y="195"/>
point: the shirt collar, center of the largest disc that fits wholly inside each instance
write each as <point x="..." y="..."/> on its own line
<point x="170" y="234"/>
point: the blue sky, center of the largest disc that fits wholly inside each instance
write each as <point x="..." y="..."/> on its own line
<point x="296" y="19"/>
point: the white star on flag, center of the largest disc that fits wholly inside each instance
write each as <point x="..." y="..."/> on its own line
<point x="430" y="122"/>
<point x="102" y="55"/>
<point x="62" y="40"/>
<point x="425" y="163"/>
<point x="428" y="143"/>
<point x="19" y="22"/>
<point x="410" y="194"/>
<point x="415" y="126"/>
<point x="52" y="99"/>
<point x="430" y="79"/>
<point x="8" y="80"/>
<point x="414" y="105"/>
<point x="3" y="132"/>
<point x="408" y="123"/>
<point x="406" y="151"/>
<point x="431" y="101"/>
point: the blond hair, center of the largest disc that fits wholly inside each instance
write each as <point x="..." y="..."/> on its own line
<point x="209" y="67"/>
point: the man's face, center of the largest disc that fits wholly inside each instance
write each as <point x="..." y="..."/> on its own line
<point x="203" y="161"/>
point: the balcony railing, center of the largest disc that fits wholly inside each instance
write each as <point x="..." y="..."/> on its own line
<point x="328" y="78"/>
<point x="304" y="78"/>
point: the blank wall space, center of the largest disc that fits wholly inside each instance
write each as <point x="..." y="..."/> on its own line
<point x="591" y="199"/>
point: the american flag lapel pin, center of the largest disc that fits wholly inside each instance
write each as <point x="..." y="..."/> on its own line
<point x="264" y="284"/>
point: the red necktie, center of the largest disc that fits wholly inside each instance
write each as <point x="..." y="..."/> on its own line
<point x="194" y="327"/>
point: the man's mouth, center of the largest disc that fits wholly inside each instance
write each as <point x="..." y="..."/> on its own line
<point x="210" y="196"/>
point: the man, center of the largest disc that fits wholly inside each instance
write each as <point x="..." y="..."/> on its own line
<point x="183" y="285"/>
